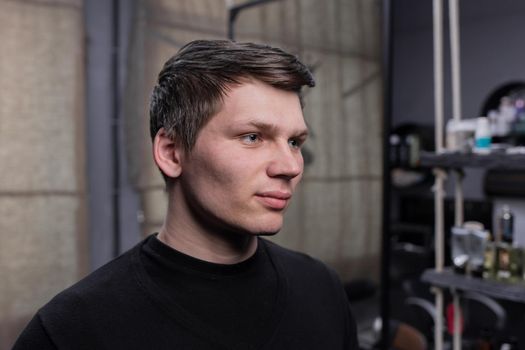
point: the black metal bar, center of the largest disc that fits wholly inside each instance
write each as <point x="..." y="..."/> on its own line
<point x="115" y="132"/>
<point x="234" y="11"/>
<point x="496" y="161"/>
<point x="387" y="119"/>
<point x="493" y="288"/>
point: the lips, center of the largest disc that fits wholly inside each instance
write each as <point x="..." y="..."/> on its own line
<point x="274" y="199"/>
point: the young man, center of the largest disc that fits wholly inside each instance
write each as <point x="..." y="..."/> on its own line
<point x="227" y="128"/>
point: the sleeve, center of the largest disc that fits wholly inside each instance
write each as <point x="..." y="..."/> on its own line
<point x="34" y="336"/>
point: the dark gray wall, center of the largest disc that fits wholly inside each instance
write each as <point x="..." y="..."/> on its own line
<point x="492" y="54"/>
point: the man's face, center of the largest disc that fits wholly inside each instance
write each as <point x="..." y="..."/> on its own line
<point x="246" y="162"/>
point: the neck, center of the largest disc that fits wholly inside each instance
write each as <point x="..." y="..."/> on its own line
<point x="216" y="247"/>
<point x="212" y="249"/>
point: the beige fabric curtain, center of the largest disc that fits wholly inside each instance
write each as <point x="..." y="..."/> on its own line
<point x="42" y="189"/>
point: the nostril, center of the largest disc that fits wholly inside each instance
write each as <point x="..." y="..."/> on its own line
<point x="287" y="170"/>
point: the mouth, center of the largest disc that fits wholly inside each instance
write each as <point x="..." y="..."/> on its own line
<point x="276" y="200"/>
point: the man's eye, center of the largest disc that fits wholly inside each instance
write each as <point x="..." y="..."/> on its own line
<point x="250" y="138"/>
<point x="294" y="143"/>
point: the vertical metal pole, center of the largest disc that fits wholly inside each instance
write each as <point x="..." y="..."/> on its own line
<point x="440" y="175"/>
<point x="453" y="7"/>
<point x="232" y="16"/>
<point x="454" y="29"/>
<point x="457" y="321"/>
<point x="439" y="253"/>
<point x="458" y="198"/>
<point x="439" y="226"/>
<point x="387" y="117"/>
<point x="438" y="73"/>
<point x="115" y="126"/>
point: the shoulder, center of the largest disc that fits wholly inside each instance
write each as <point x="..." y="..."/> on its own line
<point x="105" y="278"/>
<point x="103" y="299"/>
<point x="102" y="288"/>
<point x="299" y="264"/>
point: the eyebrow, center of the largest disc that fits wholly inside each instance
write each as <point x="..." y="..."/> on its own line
<point x="267" y="127"/>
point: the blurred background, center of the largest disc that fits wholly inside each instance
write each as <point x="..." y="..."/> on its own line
<point x="78" y="185"/>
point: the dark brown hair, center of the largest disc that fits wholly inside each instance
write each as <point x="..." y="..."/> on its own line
<point x="192" y="84"/>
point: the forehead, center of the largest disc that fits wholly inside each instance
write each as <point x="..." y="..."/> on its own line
<point x="253" y="101"/>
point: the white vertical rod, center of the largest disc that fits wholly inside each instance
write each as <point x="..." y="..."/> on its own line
<point x="438" y="194"/>
<point x="438" y="72"/>
<point x="457" y="322"/>
<point x="453" y="7"/>
<point x="439" y="252"/>
<point x="458" y="199"/>
<point x="439" y="225"/>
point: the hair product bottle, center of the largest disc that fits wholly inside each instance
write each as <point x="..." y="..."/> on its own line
<point x="482" y="136"/>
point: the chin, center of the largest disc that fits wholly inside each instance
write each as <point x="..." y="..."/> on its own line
<point x="262" y="226"/>
<point x="263" y="230"/>
<point x="267" y="230"/>
<point x="267" y="233"/>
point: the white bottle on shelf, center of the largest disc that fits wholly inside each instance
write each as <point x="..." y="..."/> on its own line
<point x="507" y="110"/>
<point x="483" y="137"/>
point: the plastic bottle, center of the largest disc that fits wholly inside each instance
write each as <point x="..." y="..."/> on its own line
<point x="414" y="148"/>
<point x="483" y="138"/>
<point x="507" y="110"/>
<point x="395" y="141"/>
<point x="506" y="225"/>
<point x="495" y="129"/>
<point x="504" y="251"/>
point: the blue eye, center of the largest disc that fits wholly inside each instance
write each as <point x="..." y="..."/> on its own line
<point x="294" y="143"/>
<point x="250" y="138"/>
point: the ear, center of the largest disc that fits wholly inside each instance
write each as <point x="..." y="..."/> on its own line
<point x="167" y="154"/>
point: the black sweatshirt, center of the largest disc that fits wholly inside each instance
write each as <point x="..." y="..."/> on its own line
<point x="154" y="297"/>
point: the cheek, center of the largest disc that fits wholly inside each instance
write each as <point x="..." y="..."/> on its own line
<point x="216" y="175"/>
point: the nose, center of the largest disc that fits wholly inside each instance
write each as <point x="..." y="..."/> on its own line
<point x="286" y="162"/>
